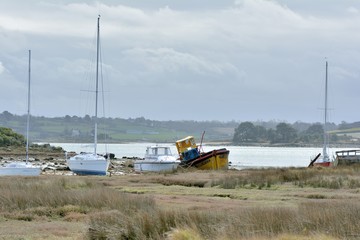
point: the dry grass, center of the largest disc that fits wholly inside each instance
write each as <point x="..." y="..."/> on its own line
<point x="334" y="178"/>
<point x="252" y="204"/>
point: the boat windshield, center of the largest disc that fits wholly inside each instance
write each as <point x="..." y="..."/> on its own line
<point x="160" y="151"/>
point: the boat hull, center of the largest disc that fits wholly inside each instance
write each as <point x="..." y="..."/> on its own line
<point x="213" y="160"/>
<point x="20" y="169"/>
<point x="88" y="164"/>
<point x="322" y="164"/>
<point x="148" y="166"/>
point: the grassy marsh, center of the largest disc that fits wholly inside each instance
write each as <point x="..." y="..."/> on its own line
<point x="286" y="203"/>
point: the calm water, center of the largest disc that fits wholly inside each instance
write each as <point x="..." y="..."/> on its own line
<point x="240" y="157"/>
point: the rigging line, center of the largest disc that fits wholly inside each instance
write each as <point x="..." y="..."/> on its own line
<point x="88" y="79"/>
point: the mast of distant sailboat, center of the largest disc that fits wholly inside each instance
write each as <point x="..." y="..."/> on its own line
<point x="28" y="111"/>
<point x="326" y="140"/>
<point x="97" y="82"/>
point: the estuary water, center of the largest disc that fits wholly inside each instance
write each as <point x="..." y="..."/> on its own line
<point x="240" y="156"/>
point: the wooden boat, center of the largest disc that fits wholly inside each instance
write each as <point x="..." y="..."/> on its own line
<point x="23" y="168"/>
<point x="191" y="156"/>
<point x="91" y="163"/>
<point x="347" y="157"/>
<point x="157" y="159"/>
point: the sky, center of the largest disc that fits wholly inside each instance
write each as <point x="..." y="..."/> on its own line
<point x="203" y="60"/>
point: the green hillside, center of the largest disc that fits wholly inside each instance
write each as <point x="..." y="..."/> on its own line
<point x="350" y="132"/>
<point x="80" y="129"/>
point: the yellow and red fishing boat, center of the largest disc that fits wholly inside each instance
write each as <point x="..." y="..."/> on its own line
<point x="191" y="156"/>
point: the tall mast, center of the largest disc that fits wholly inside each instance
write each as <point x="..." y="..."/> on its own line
<point x="325" y="154"/>
<point x="97" y="82"/>
<point x="28" y="111"/>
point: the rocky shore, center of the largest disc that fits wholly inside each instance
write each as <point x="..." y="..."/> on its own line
<point x="53" y="159"/>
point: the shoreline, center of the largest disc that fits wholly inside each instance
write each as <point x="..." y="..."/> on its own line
<point x="54" y="161"/>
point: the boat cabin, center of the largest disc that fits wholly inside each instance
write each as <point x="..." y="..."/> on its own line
<point x="187" y="148"/>
<point x="185" y="144"/>
<point x="158" y="151"/>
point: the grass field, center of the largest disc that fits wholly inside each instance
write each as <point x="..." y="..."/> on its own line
<point x="287" y="203"/>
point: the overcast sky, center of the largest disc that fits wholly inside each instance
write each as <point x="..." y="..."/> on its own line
<point x="242" y="60"/>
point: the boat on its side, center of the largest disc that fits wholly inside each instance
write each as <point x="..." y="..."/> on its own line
<point x="23" y="168"/>
<point x="191" y="156"/>
<point x="91" y="163"/>
<point x="157" y="159"/>
<point x="213" y="160"/>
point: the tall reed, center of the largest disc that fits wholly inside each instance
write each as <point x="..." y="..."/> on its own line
<point x="45" y="196"/>
<point x="337" y="221"/>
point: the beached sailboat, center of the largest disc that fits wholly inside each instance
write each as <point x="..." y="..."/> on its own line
<point x="157" y="159"/>
<point x="324" y="160"/>
<point x="91" y="163"/>
<point x="17" y="168"/>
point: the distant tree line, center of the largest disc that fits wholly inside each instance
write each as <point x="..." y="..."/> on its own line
<point x="80" y="129"/>
<point x="284" y="133"/>
<point x="344" y="125"/>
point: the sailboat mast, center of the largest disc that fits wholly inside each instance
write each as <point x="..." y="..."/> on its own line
<point x="325" y="155"/>
<point x="28" y="111"/>
<point x="97" y="83"/>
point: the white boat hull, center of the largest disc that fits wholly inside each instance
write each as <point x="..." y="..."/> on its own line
<point x="88" y="164"/>
<point x="148" y="166"/>
<point x="20" y="169"/>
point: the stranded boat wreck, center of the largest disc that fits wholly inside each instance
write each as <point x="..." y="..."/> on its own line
<point x="347" y="157"/>
<point x="191" y="156"/>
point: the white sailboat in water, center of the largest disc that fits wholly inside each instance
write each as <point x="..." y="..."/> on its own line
<point x="17" y="168"/>
<point x="91" y="163"/>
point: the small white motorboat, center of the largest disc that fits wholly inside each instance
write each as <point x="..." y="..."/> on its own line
<point x="157" y="159"/>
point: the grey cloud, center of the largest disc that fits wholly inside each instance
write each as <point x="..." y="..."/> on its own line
<point x="264" y="58"/>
